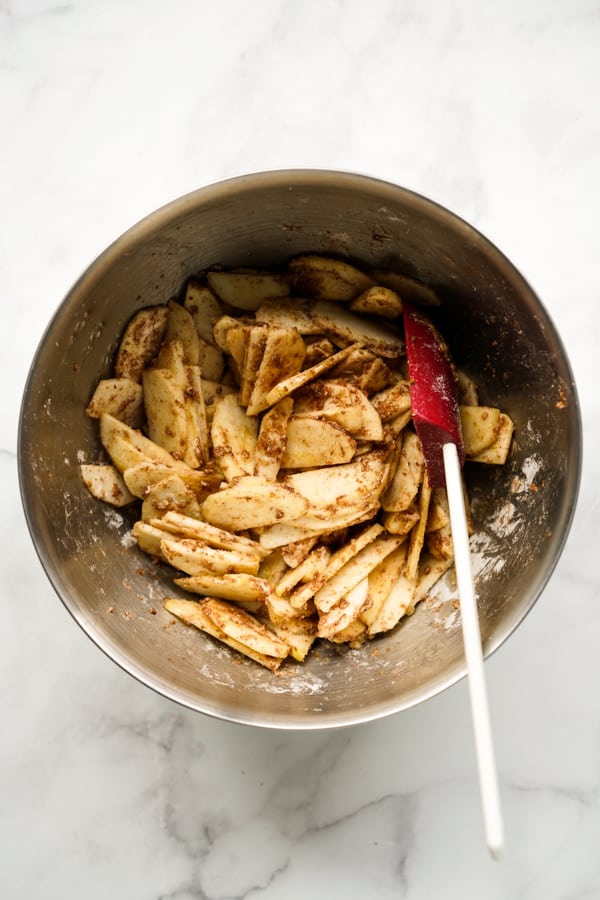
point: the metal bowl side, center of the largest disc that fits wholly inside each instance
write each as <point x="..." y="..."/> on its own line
<point x="499" y="332"/>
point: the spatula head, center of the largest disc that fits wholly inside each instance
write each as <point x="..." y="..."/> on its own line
<point x="433" y="392"/>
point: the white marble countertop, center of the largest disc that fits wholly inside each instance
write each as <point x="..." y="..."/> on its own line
<point x="108" y="109"/>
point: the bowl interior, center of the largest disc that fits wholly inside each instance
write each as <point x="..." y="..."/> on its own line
<point x="498" y="332"/>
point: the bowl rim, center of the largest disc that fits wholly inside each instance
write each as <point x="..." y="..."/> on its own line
<point x="154" y="221"/>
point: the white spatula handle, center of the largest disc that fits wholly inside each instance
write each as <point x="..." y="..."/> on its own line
<point x="486" y="762"/>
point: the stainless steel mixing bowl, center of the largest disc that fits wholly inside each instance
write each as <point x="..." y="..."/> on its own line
<point x="499" y="332"/>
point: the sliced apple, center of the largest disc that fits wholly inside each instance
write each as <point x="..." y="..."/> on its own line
<point x="140" y="342"/>
<point x="400" y="522"/>
<point x="430" y="572"/>
<point x="273" y="567"/>
<point x="164" y="402"/>
<point x="381" y="581"/>
<point x="127" y="447"/>
<point x="407" y="477"/>
<point x="142" y="476"/>
<point x="192" y="613"/>
<point x="353" y="634"/>
<point x="234" y="586"/>
<point x="284" y="352"/>
<point x="393" y="401"/>
<point x="350" y="549"/>
<point x="378" y="301"/>
<point x="354" y="571"/>
<point x="294" y="554"/>
<point x="406" y="287"/>
<point x="149" y="538"/>
<point x="121" y="398"/>
<point x="247" y="290"/>
<point x="310" y="566"/>
<point x="197" y="558"/>
<point x="313" y="442"/>
<point x="294" y="313"/>
<point x="233" y="435"/>
<point x="221" y="329"/>
<point x="480" y="426"/>
<point x="289" y="385"/>
<point x="180" y="326"/>
<point x="198" y="443"/>
<point x="317" y="350"/>
<point x="334" y="491"/>
<point x="440" y="544"/>
<point x="172" y="493"/>
<point x="298" y="634"/>
<point x="236" y="340"/>
<point x="327" y="278"/>
<point x="344" y="613"/>
<point x="171" y="356"/>
<point x="253" y="353"/>
<point x="204" y="308"/>
<point x="242" y="627"/>
<point x="397" y="603"/>
<point x="468" y="394"/>
<point x="337" y="320"/>
<point x="214" y="390"/>
<point x="342" y="403"/>
<point x="417" y="535"/>
<point x="305" y="527"/>
<point x="210" y="360"/>
<point x="186" y="526"/>
<point x="272" y="438"/>
<point x="253" y="503"/>
<point x="106" y="483"/>
<point x="497" y="452"/>
<point x="439" y="513"/>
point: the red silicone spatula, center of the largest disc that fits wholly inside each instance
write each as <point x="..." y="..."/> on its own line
<point x="437" y="421"/>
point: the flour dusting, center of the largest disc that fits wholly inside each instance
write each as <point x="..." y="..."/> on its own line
<point x="113" y="519"/>
<point x="486" y="560"/>
<point x="128" y="540"/>
<point x="298" y="683"/>
<point x="525" y="481"/>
